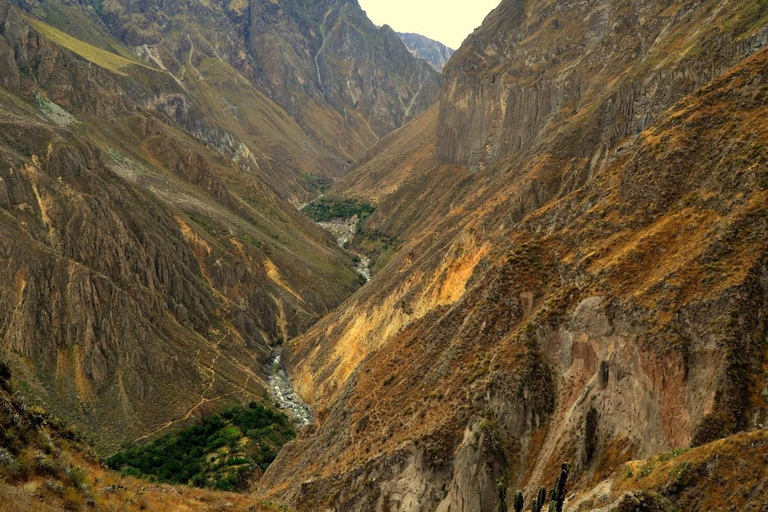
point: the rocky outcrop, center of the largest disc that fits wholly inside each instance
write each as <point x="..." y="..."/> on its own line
<point x="434" y="52"/>
<point x="532" y="67"/>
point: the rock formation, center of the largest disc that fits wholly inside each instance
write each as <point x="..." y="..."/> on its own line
<point x="434" y="52"/>
<point x="580" y="275"/>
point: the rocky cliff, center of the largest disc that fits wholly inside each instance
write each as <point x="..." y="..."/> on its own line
<point x="596" y="294"/>
<point x="434" y="52"/>
<point x="150" y="257"/>
<point x="331" y="52"/>
<point x="534" y="65"/>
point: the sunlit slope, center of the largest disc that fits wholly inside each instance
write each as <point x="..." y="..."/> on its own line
<point x="585" y="297"/>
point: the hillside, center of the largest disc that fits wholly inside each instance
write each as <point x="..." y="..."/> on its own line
<point x="580" y="266"/>
<point x="151" y="255"/>
<point x="46" y="466"/>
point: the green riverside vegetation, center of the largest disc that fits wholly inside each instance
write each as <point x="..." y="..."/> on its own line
<point x="326" y="208"/>
<point x="222" y="452"/>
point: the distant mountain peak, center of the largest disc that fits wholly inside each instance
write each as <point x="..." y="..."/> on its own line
<point x="434" y="52"/>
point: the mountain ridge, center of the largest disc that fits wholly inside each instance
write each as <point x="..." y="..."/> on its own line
<point x="434" y="52"/>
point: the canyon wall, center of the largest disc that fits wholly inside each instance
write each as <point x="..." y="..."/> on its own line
<point x="597" y="294"/>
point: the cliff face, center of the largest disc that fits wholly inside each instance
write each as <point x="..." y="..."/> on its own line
<point x="535" y="65"/>
<point x="331" y="52"/>
<point x="148" y="252"/>
<point x="434" y="52"/>
<point x="343" y="80"/>
<point x="598" y="294"/>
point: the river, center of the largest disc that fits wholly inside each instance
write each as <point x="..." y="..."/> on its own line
<point x="282" y="391"/>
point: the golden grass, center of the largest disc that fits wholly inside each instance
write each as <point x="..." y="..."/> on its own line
<point x="102" y="58"/>
<point x="737" y="462"/>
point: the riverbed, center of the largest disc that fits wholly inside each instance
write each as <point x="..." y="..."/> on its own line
<point x="284" y="394"/>
<point x="344" y="230"/>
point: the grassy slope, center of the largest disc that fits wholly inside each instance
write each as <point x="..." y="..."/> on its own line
<point x="44" y="467"/>
<point x="723" y="475"/>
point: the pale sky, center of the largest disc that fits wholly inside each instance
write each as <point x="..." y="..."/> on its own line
<point x="447" y="21"/>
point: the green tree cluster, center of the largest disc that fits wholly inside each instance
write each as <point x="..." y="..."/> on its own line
<point x="221" y="452"/>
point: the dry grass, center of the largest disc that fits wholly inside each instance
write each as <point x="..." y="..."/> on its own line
<point x="722" y="475"/>
<point x="107" y="60"/>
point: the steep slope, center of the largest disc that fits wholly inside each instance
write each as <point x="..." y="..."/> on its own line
<point x="46" y="466"/>
<point x="149" y="262"/>
<point x="596" y="294"/>
<point x="315" y="59"/>
<point x="434" y="52"/>
<point x="329" y="51"/>
<point x="533" y="66"/>
<point x="205" y="89"/>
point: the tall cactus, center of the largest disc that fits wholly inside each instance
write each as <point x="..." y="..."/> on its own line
<point x="560" y="489"/>
<point x="556" y="495"/>
<point x="518" y="501"/>
<point x="501" y="489"/>
<point x="538" y="503"/>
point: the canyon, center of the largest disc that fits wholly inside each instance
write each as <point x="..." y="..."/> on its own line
<point x="567" y="260"/>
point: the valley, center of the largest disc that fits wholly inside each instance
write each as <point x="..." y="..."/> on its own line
<point x="269" y="256"/>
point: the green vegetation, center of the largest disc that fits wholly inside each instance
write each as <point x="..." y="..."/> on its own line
<point x="378" y="246"/>
<point x="325" y="209"/>
<point x="664" y="457"/>
<point x="646" y="470"/>
<point x="221" y="452"/>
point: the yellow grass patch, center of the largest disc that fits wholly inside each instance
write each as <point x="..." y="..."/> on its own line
<point x="102" y="58"/>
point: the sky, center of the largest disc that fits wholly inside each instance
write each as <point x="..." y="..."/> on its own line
<point x="447" y="21"/>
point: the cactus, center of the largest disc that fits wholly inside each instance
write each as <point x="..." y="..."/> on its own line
<point x="556" y="495"/>
<point x="560" y="490"/>
<point x="502" y="493"/>
<point x="518" y="501"/>
<point x="538" y="503"/>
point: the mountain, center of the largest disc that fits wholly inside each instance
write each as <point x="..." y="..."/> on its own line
<point x="434" y="52"/>
<point x="328" y="51"/>
<point x="315" y="59"/>
<point x="579" y="274"/>
<point x="151" y="247"/>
